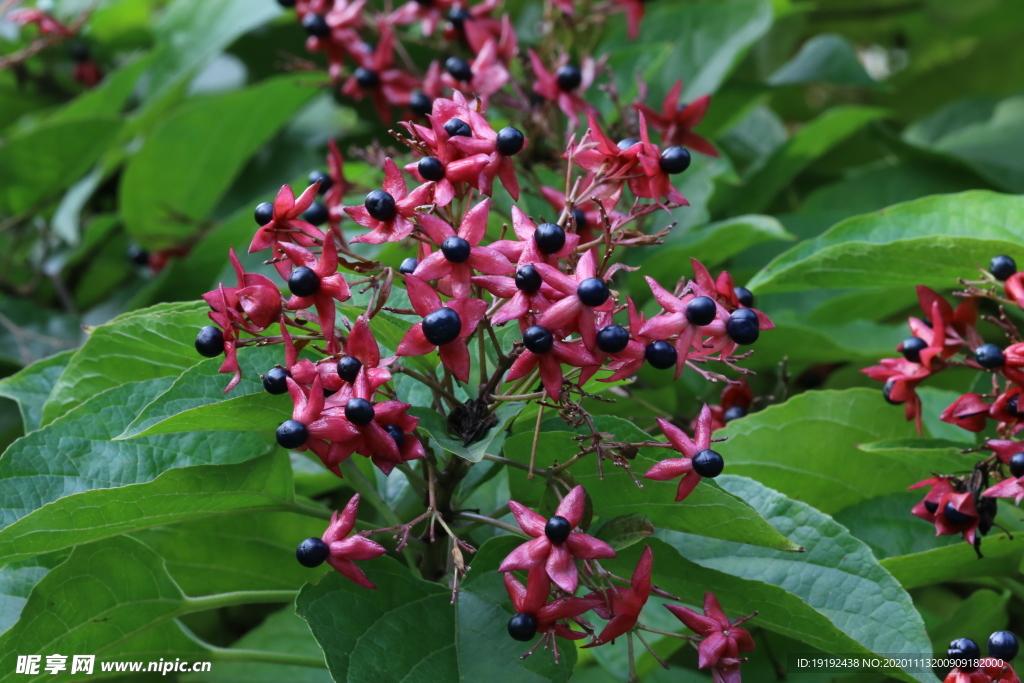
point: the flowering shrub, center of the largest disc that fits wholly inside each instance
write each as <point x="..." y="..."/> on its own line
<point x="455" y="301"/>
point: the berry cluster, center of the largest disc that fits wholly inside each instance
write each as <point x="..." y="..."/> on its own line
<point x="551" y="279"/>
<point x="1002" y="649"/>
<point x="946" y="338"/>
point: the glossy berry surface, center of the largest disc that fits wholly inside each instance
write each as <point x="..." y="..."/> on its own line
<point x="409" y="265"/>
<point x="701" y="310"/>
<point x="579" y="219"/>
<point x="912" y="347"/>
<point x="550" y="237"/>
<point x="455" y="249"/>
<point x="359" y="411"/>
<point x="303" y="282"/>
<point x="744" y="296"/>
<point x="210" y="342"/>
<point x="510" y="141"/>
<point x="442" y="326"/>
<point x="954" y="516"/>
<point x="312" y="552"/>
<point x="458" y="128"/>
<point x="1017" y="465"/>
<point x="569" y="77"/>
<point x="931" y="506"/>
<point x="734" y="413"/>
<point x="674" y="160"/>
<point x="538" y="339"/>
<point x="420" y="103"/>
<point x="316" y="25"/>
<point x="626" y="143"/>
<point x="348" y="368"/>
<point x="317" y="214"/>
<point x="380" y="205"/>
<point x="325" y="180"/>
<point x="661" y="355"/>
<point x="458" y="69"/>
<point x="275" y="381"/>
<point x="458" y="17"/>
<point x="522" y="627"/>
<point x="742" y="327"/>
<point x="964" y="648"/>
<point x="264" y="213"/>
<point x="1003" y="645"/>
<point x="989" y="356"/>
<point x="593" y="291"/>
<point x="430" y="168"/>
<point x="528" y="280"/>
<point x="366" y="78"/>
<point x="887" y="393"/>
<point x="292" y="434"/>
<point x="396" y="434"/>
<point x="1002" y="267"/>
<point x="557" y="529"/>
<point x="138" y="255"/>
<point x="708" y="463"/>
<point x="612" y="338"/>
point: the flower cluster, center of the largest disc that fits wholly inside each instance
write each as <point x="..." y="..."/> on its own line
<point x="944" y="338"/>
<point x="1002" y="648"/>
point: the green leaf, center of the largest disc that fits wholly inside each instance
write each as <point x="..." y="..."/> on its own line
<point x="814" y="140"/>
<point x="827" y="57"/>
<point x="49" y="158"/>
<point x="202" y="386"/>
<point x="169" y="188"/>
<point x="1002" y="557"/>
<point x="951" y="233"/>
<point x="34" y="480"/>
<point x="16" y="584"/>
<point x="31" y="387"/>
<point x="181" y="494"/>
<point x="806" y="341"/>
<point x="156" y="342"/>
<point x="367" y="634"/>
<point x="435" y="424"/>
<point x="708" y="510"/>
<point x="106" y="99"/>
<point x="260" y="414"/>
<point x="807" y="448"/>
<point x="31" y="333"/>
<point x="982" y="613"/>
<point x="711" y="245"/>
<point x="837" y="576"/>
<point x="886" y="525"/>
<point x="625" y="530"/>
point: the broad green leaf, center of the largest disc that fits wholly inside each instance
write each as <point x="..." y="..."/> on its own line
<point x="625" y="530"/>
<point x="33" y="477"/>
<point x="168" y="188"/>
<point x="807" y="448"/>
<point x="282" y="631"/>
<point x="49" y="158"/>
<point x="31" y="332"/>
<point x="260" y="414"/>
<point x="827" y="57"/>
<point x="31" y="386"/>
<point x="407" y="631"/>
<point x="16" y="583"/>
<point x="106" y="99"/>
<point x="156" y="342"/>
<point x="811" y="142"/>
<point x="240" y="552"/>
<point x="949" y="233"/>
<point x="982" y="613"/>
<point x="804" y="341"/>
<point x="435" y="424"/>
<point x="191" y="32"/>
<point x="203" y="386"/>
<point x="837" y="576"/>
<point x="708" y="510"/>
<point x="181" y="494"/>
<point x="711" y="245"/>
<point x="886" y="525"/>
<point x="1002" y="557"/>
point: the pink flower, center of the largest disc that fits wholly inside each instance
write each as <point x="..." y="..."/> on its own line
<point x="564" y="85"/>
<point x="429" y="14"/>
<point x="445" y="326"/>
<point x="968" y="412"/>
<point x="629" y="361"/>
<point x="676" y="122"/>
<point x="387" y="212"/>
<point x="951" y="512"/>
<point x="286" y="226"/>
<point x="1011" y="487"/>
<point x="634" y="10"/>
<point x="225" y="312"/>
<point x="327" y="283"/>
<point x="258" y="297"/>
<point x="386" y="438"/>
<point x="532" y="599"/>
<point x="361" y="356"/>
<point x="345" y="550"/>
<point x="485" y="140"/>
<point x="526" y="250"/>
<point x="487" y="74"/>
<point x="465" y="170"/>
<point x="377" y="78"/>
<point x="545" y="349"/>
<point x="339" y="186"/>
<point x="307" y="408"/>
<point x="553" y="546"/>
<point x="460" y="252"/>
<point x="653" y="182"/>
<point x="674" y="322"/>
<point x="583" y="294"/>
<point x="524" y="302"/>
<point x="626" y="602"/>
<point x="587" y="217"/>
<point x="700" y="445"/>
<point x="723" y="639"/>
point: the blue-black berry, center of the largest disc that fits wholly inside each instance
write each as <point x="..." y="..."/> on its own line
<point x="317" y="214"/>
<point x="276" y="381"/>
<point x="593" y="291"/>
<point x="326" y="182"/>
<point x="528" y="280"/>
<point x="522" y="627"/>
<point x="316" y="25"/>
<point x="674" y="160"/>
<point x="210" y="342"/>
<point x="701" y="310"/>
<point x="742" y="326"/>
<point x="456" y="249"/>
<point x="510" y="141"/>
<point x="409" y="265"/>
<point x="911" y="348"/>
<point x="458" y="128"/>
<point x="459" y="69"/>
<point x="348" y="368"/>
<point x="380" y="205"/>
<point x="1017" y="465"/>
<point x="538" y="339"/>
<point x="708" y="463"/>
<point x="292" y="434"/>
<point x="303" y="282"/>
<point x="430" y="168"/>
<point x="366" y="78"/>
<point x="989" y="356"/>
<point x="734" y="413"/>
<point x="312" y="552"/>
<point x="1003" y="645"/>
<point x="1002" y="267"/>
<point x="569" y="77"/>
<point x="557" y="529"/>
<point x="264" y="213"/>
<point x="661" y="355"/>
<point x="612" y="338"/>
<point x="550" y="237"/>
<point x="744" y="296"/>
<point x="442" y="326"/>
<point x="138" y="255"/>
<point x="396" y="434"/>
<point x="954" y="516"/>
<point x="359" y="411"/>
<point x="626" y="143"/>
<point x="420" y="103"/>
